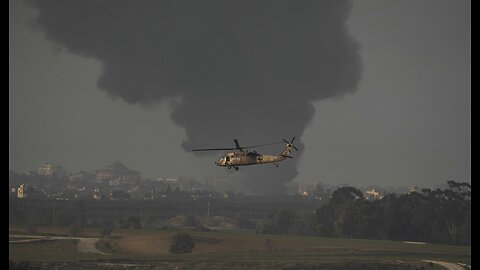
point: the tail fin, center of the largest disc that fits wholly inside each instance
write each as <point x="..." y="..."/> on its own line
<point x="286" y="152"/>
<point x="288" y="148"/>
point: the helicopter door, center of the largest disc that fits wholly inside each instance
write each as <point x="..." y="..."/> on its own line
<point x="227" y="159"/>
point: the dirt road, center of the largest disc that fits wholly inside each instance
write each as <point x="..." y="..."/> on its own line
<point x="87" y="245"/>
<point x="84" y="244"/>
<point x="447" y="265"/>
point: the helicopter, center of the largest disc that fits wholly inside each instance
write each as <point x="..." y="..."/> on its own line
<point x="241" y="157"/>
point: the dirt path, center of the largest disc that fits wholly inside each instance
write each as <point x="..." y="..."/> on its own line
<point x="84" y="244"/>
<point x="447" y="265"/>
<point x="87" y="245"/>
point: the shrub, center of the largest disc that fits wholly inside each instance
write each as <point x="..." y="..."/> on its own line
<point x="75" y="229"/>
<point x="106" y="232"/>
<point x="268" y="244"/>
<point x="182" y="243"/>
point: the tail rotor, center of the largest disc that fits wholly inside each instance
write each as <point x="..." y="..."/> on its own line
<point x="286" y="151"/>
<point x="290" y="144"/>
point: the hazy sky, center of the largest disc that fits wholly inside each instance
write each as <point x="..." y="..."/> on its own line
<point x="407" y="122"/>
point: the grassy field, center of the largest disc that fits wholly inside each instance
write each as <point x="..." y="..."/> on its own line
<point x="148" y="248"/>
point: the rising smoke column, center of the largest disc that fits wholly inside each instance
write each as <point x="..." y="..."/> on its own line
<point x="239" y="69"/>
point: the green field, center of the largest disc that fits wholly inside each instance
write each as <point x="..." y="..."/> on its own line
<point x="148" y="249"/>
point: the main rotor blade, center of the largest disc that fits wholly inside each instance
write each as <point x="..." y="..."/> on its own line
<point x="237" y="144"/>
<point x="237" y="147"/>
<point x="212" y="149"/>
<point x="292" y="140"/>
<point x="260" y="145"/>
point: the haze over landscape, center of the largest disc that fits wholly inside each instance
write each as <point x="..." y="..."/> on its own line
<point x="385" y="102"/>
<point x="362" y="110"/>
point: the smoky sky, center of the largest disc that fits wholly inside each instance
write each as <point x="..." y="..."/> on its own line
<point x="234" y="69"/>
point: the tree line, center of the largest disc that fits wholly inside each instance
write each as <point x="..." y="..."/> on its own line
<point x="434" y="216"/>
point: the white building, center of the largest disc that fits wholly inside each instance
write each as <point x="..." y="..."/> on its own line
<point x="373" y="195"/>
<point x="21" y="194"/>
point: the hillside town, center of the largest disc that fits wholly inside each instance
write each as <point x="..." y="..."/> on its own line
<point x="115" y="181"/>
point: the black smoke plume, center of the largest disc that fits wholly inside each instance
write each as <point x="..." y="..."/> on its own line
<point x="246" y="69"/>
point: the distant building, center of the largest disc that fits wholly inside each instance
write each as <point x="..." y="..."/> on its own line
<point x="75" y="177"/>
<point x="221" y="184"/>
<point x="59" y="171"/>
<point x="59" y="196"/>
<point x="190" y="185"/>
<point x="97" y="194"/>
<point x="46" y="169"/>
<point x="412" y="189"/>
<point x="22" y="191"/>
<point x="82" y="176"/>
<point x="373" y="195"/>
<point x="181" y="183"/>
<point x="115" y="182"/>
<point x="148" y="196"/>
<point x="116" y="171"/>
<point x="31" y="173"/>
<point x="169" y="180"/>
<point x="305" y="189"/>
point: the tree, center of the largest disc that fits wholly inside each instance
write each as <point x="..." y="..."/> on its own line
<point x="106" y="232"/>
<point x="452" y="213"/>
<point x="190" y="221"/>
<point x="440" y="216"/>
<point x="75" y="229"/>
<point x="304" y="224"/>
<point x="279" y="222"/>
<point x="130" y="222"/>
<point x="21" y="265"/>
<point x="81" y="214"/>
<point x="338" y="216"/>
<point x="182" y="243"/>
<point x="243" y="222"/>
<point x="345" y="194"/>
<point x="345" y="219"/>
<point x="325" y="220"/>
<point x="369" y="220"/>
<point x="134" y="222"/>
<point x="319" y="192"/>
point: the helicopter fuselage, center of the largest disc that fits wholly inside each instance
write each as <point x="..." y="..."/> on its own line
<point x="241" y="157"/>
<point x="244" y="158"/>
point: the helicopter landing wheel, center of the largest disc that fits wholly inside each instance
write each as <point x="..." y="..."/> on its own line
<point x="236" y="168"/>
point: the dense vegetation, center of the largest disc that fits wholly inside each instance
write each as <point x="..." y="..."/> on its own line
<point x="442" y="216"/>
<point x="245" y="210"/>
<point x="435" y="216"/>
<point x="438" y="216"/>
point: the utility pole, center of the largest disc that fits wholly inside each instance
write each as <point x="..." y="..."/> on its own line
<point x="208" y="212"/>
<point x="54" y="221"/>
<point x="208" y="208"/>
